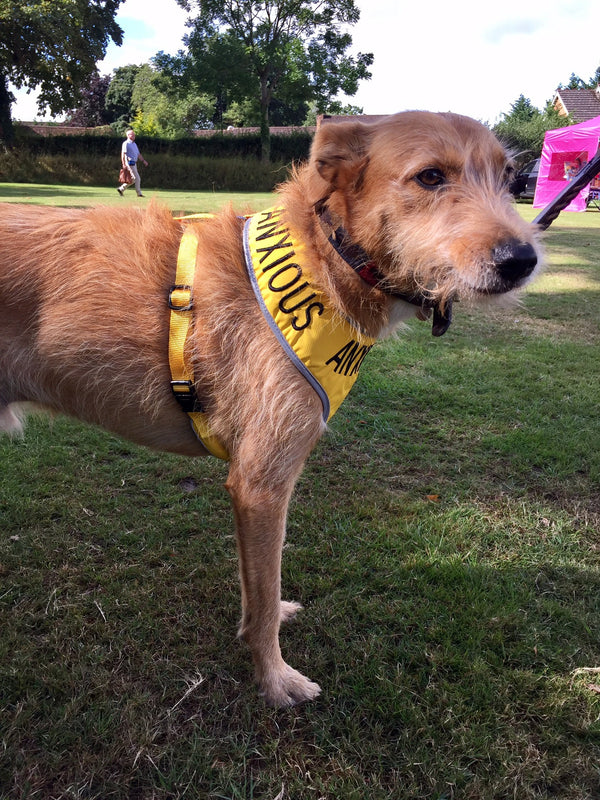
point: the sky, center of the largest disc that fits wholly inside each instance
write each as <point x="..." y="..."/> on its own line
<point x="470" y="57"/>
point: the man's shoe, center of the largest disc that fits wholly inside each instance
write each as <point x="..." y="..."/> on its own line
<point x="120" y="191"/>
<point x="140" y="195"/>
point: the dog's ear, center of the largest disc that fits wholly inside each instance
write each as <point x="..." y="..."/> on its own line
<point x="339" y="153"/>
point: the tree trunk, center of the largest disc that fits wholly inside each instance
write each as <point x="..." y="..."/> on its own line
<point x="265" y="136"/>
<point x="6" y="126"/>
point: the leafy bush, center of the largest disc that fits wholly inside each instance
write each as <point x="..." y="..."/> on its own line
<point x="523" y="130"/>
<point x="285" y="147"/>
<point x="218" y="162"/>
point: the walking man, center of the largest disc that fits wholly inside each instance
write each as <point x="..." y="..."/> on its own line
<point x="130" y="155"/>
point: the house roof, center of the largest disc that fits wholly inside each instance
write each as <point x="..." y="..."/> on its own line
<point x="322" y="118"/>
<point x="581" y="104"/>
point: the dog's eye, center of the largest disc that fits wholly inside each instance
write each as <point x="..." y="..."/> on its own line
<point x="431" y="178"/>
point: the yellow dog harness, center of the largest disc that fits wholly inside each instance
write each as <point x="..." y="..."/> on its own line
<point x="181" y="303"/>
<point x="326" y="348"/>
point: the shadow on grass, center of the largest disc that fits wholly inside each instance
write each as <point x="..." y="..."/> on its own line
<point x="455" y="640"/>
<point x="439" y="676"/>
<point x="67" y="196"/>
<point x="179" y="200"/>
<point x="35" y="190"/>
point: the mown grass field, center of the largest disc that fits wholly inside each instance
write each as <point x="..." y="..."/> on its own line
<point x="82" y="196"/>
<point x="444" y="540"/>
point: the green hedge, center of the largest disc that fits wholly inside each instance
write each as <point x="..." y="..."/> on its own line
<point x="289" y="147"/>
<point x="164" y="172"/>
<point x="212" y="163"/>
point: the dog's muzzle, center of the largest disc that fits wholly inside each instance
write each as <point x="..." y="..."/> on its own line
<point x="513" y="262"/>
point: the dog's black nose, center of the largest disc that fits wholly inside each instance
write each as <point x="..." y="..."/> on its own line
<point x="514" y="260"/>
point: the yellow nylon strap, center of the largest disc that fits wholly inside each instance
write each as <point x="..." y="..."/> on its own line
<point x="210" y="442"/>
<point x="180" y="302"/>
<point x="181" y="308"/>
<point x="326" y="348"/>
<point x="200" y="215"/>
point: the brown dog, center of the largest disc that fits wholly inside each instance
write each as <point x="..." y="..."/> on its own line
<point x="395" y="218"/>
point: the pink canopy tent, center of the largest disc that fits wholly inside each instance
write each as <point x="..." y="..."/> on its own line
<point x="565" y="151"/>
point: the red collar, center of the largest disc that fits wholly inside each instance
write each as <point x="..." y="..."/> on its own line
<point x="354" y="255"/>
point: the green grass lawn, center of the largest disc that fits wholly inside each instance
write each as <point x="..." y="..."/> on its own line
<point x="178" y="201"/>
<point x="444" y="540"/>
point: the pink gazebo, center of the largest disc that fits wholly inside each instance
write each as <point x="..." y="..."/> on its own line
<point x="565" y="151"/>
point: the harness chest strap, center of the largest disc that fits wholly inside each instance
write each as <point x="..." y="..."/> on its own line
<point x="181" y="303"/>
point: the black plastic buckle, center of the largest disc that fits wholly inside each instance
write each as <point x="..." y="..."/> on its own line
<point x="181" y="287"/>
<point x="187" y="399"/>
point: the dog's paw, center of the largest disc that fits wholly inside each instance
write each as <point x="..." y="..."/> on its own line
<point x="289" y="610"/>
<point x="288" y="687"/>
<point x="10" y="422"/>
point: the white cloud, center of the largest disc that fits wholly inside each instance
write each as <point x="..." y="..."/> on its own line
<point x="498" y="32"/>
<point x="473" y="59"/>
<point x="149" y="26"/>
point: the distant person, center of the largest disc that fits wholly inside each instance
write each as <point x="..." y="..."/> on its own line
<point x="572" y="168"/>
<point x="130" y="155"/>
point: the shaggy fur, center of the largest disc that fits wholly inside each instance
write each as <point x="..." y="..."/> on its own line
<point x="84" y="320"/>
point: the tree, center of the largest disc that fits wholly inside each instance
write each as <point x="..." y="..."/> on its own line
<point x="522" y="110"/>
<point x="161" y="109"/>
<point x="52" y="45"/>
<point x="290" y="51"/>
<point x="91" y="109"/>
<point x="523" y="129"/>
<point x="575" y="82"/>
<point x="118" y="102"/>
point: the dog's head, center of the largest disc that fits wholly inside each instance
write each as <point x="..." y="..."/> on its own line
<point x="426" y="196"/>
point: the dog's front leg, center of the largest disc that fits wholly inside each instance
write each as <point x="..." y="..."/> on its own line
<point x="260" y="512"/>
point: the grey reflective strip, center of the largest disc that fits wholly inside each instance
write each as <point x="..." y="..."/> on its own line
<point x="197" y="435"/>
<point x="297" y="362"/>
